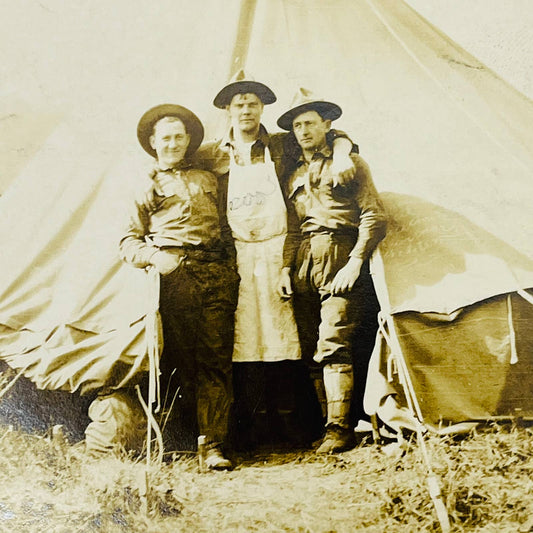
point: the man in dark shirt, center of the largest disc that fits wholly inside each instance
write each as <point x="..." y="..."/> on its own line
<point x="178" y="232"/>
<point x="341" y="221"/>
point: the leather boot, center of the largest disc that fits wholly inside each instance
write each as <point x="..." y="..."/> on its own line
<point x="215" y="459"/>
<point x="338" y="382"/>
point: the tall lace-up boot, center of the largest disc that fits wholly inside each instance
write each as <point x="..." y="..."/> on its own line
<point x="338" y="382"/>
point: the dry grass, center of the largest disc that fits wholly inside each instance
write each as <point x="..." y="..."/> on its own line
<point x="48" y="485"/>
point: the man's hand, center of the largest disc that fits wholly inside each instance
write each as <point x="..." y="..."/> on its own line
<point x="347" y="276"/>
<point x="284" y="284"/>
<point x="165" y="263"/>
<point x="342" y="168"/>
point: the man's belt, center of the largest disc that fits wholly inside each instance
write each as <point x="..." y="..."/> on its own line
<point x="197" y="253"/>
<point x="350" y="233"/>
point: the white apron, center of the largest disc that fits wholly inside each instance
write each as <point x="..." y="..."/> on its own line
<point x="265" y="329"/>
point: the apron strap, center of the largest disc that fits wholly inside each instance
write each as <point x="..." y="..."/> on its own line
<point x="267" y="156"/>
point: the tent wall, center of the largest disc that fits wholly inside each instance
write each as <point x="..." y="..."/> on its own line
<point x="100" y="65"/>
<point x="71" y="313"/>
<point x="435" y="125"/>
<point x="437" y="260"/>
<point x="23" y="131"/>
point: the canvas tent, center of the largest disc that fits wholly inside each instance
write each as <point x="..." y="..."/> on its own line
<point x="448" y="142"/>
<point x="72" y="314"/>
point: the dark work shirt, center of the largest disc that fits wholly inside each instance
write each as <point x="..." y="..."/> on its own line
<point x="187" y="218"/>
<point x="352" y="206"/>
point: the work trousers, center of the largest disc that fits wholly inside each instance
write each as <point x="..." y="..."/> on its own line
<point x="327" y="322"/>
<point x="197" y="305"/>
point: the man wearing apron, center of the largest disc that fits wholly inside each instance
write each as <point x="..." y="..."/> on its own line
<point x="268" y="374"/>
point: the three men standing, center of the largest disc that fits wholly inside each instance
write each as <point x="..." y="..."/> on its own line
<point x="194" y="231"/>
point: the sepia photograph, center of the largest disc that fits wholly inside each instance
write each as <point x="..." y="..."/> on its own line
<point x="266" y="266"/>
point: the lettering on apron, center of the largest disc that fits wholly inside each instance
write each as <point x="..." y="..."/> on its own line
<point x="265" y="329"/>
<point x="256" y="210"/>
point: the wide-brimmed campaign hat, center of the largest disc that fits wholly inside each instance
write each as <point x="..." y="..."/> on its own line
<point x="242" y="83"/>
<point x="304" y="100"/>
<point x="192" y="124"/>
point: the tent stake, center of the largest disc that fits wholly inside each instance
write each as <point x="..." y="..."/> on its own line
<point x="407" y="385"/>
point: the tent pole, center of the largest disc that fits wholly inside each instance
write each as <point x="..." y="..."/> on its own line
<point x="525" y="295"/>
<point x="239" y="54"/>
<point x="242" y="39"/>
<point x="512" y="335"/>
<point x="152" y="343"/>
<point x="405" y="378"/>
<point x="412" y="402"/>
<point x="391" y="338"/>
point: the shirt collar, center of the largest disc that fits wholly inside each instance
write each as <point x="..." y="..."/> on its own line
<point x="325" y="153"/>
<point x="182" y="165"/>
<point x="229" y="140"/>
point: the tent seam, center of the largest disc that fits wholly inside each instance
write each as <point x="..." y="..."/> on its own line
<point x="439" y="84"/>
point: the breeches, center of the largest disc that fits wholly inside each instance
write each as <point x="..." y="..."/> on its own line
<point x="197" y="304"/>
<point x="325" y="320"/>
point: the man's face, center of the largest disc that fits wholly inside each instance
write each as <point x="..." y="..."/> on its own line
<point x="310" y="130"/>
<point x="245" y="112"/>
<point x="170" y="141"/>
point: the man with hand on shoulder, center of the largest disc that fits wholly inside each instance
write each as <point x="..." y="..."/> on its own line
<point x="248" y="162"/>
<point x="341" y="222"/>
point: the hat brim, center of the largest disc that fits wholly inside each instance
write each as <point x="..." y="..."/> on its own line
<point x="192" y="124"/>
<point x="327" y="110"/>
<point x="224" y="97"/>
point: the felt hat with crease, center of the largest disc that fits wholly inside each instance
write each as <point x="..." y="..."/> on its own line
<point x="242" y="83"/>
<point x="304" y="100"/>
<point x="192" y="124"/>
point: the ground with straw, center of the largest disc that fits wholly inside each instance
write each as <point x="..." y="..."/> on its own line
<point x="49" y="485"/>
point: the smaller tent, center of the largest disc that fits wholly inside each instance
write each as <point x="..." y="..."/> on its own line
<point x="470" y="365"/>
